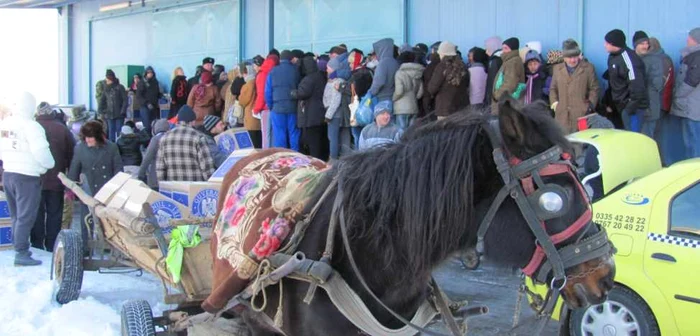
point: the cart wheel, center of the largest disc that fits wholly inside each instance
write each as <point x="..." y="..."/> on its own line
<point x="137" y="319"/>
<point x="469" y="259"/>
<point x="67" y="266"/>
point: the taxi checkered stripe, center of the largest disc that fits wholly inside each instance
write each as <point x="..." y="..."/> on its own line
<point x="663" y="238"/>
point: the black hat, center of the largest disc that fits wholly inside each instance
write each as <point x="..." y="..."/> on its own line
<point x="297" y="53"/>
<point x="617" y="38"/>
<point x="639" y="37"/>
<point x="185" y="114"/>
<point x="110" y="74"/>
<point x="208" y="60"/>
<point x="286" y="55"/>
<point x="422" y="47"/>
<point x="570" y="48"/>
<point x="274" y="51"/>
<point x="258" y="60"/>
<point x="513" y="43"/>
<point x="210" y="121"/>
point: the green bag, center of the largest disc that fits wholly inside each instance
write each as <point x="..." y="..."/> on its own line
<point x="181" y="237"/>
<point x="518" y="89"/>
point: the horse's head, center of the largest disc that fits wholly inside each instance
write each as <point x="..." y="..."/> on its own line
<point x="568" y="252"/>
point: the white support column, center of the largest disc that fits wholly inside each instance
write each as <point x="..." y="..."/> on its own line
<point x="64" y="56"/>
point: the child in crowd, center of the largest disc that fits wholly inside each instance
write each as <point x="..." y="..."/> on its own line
<point x="382" y="130"/>
<point x="536" y="84"/>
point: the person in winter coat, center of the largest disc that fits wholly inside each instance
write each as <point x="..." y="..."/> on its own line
<point x="136" y="99"/>
<point x="179" y="91"/>
<point x="449" y="83"/>
<point x="211" y="127"/>
<point x="536" y="78"/>
<point x="147" y="170"/>
<point x="409" y="89"/>
<point x="383" y="85"/>
<point x="627" y="80"/>
<point x="336" y="102"/>
<point x="149" y="92"/>
<point x="247" y="99"/>
<point x="667" y="73"/>
<point x="493" y="50"/>
<point x="382" y="130"/>
<point x="230" y="92"/>
<point x="510" y="78"/>
<point x="574" y="91"/>
<point x="428" y="99"/>
<point x="129" y="144"/>
<point x="478" y="74"/>
<point x="311" y="112"/>
<point x="204" y="98"/>
<point x="654" y="76"/>
<point x="357" y="87"/>
<point x="192" y="81"/>
<point x="113" y="104"/>
<point x="260" y="108"/>
<point x="50" y="212"/>
<point x="26" y="155"/>
<point x="686" y="94"/>
<point x="283" y="107"/>
<point x="183" y="154"/>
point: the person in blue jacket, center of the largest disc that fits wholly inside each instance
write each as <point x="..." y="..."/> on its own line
<point x="281" y="81"/>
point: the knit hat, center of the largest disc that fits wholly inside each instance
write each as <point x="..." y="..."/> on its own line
<point x="185" y="114"/>
<point x="110" y="75"/>
<point x="208" y="60"/>
<point x="493" y="43"/>
<point x="513" y="43"/>
<point x="210" y="122"/>
<point x="446" y="48"/>
<point x="639" y="37"/>
<point x="570" y="48"/>
<point x="617" y="38"/>
<point x="44" y="109"/>
<point x="695" y="34"/>
<point x="286" y="55"/>
<point x="258" y="60"/>
<point x="532" y="55"/>
<point x="383" y="106"/>
<point x="160" y="126"/>
<point x="126" y="130"/>
<point x="555" y="57"/>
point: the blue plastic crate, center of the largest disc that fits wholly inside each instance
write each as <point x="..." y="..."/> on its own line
<point x="4" y="210"/>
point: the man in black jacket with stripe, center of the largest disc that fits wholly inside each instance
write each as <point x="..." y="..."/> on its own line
<point x="626" y="78"/>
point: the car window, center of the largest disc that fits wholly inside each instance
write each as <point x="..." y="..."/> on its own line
<point x="685" y="211"/>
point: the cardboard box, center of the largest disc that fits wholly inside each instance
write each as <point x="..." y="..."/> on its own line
<point x="105" y="194"/>
<point x="199" y="197"/>
<point x="234" y="157"/>
<point x="4" y="208"/>
<point x="5" y="235"/>
<point x="163" y="207"/>
<point x="123" y="194"/>
<point x="234" y="139"/>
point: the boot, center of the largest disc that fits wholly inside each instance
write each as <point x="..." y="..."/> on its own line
<point x="25" y="259"/>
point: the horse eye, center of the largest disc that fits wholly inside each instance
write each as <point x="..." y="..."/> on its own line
<point x="551" y="202"/>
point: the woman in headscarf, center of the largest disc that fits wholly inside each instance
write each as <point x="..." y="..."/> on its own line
<point x="204" y="98"/>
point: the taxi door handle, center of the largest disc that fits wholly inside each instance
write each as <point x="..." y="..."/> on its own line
<point x="664" y="257"/>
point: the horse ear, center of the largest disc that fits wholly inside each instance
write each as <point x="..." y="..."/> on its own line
<point x="513" y="124"/>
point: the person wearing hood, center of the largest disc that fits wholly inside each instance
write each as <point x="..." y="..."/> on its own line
<point x="627" y="80"/>
<point x="382" y="131"/>
<point x="310" y="114"/>
<point x="112" y="105"/>
<point x="357" y="87"/>
<point x="219" y="76"/>
<point x="129" y="144"/>
<point x="654" y="76"/>
<point x="179" y="91"/>
<point x="535" y="84"/>
<point x="408" y="89"/>
<point x="136" y="99"/>
<point x="667" y="73"/>
<point x="336" y="101"/>
<point x="260" y="108"/>
<point x="493" y="51"/>
<point x="26" y="155"/>
<point x="510" y="76"/>
<point x="247" y="99"/>
<point x="383" y="85"/>
<point x="211" y="127"/>
<point x="478" y="61"/>
<point x="283" y="107"/>
<point x="449" y="83"/>
<point x="147" y="170"/>
<point x="686" y="94"/>
<point x="574" y="91"/>
<point x="204" y="98"/>
<point x="149" y="91"/>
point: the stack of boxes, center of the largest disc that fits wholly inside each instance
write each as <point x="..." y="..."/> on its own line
<point x="234" y="139"/>
<point x="5" y="224"/>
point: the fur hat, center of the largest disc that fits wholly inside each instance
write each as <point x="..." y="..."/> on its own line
<point x="210" y="122"/>
<point x="570" y="48"/>
<point x="208" y="60"/>
<point x="617" y="38"/>
<point x="446" y="48"/>
<point x="639" y="37"/>
<point x="185" y="114"/>
<point x="513" y="43"/>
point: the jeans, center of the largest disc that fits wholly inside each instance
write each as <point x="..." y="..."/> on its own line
<point x="114" y="127"/>
<point x="48" y="220"/>
<point x="649" y="129"/>
<point x="146" y="118"/>
<point x="339" y="138"/>
<point x="670" y="138"/>
<point x="23" y="196"/>
<point x="404" y="120"/>
<point x="691" y="137"/>
<point x="284" y="127"/>
<point x="266" y="129"/>
<point x="632" y="122"/>
<point x="356" y="131"/>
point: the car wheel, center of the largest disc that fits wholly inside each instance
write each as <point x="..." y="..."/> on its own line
<point x="624" y="313"/>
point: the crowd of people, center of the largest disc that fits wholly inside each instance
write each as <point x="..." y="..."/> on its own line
<point x="309" y="103"/>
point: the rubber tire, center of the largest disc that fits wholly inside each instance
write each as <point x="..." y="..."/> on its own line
<point x="469" y="259"/>
<point x="67" y="288"/>
<point x="137" y="319"/>
<point x="633" y="302"/>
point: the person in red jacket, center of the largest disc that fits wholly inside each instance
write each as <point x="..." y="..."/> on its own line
<point x="260" y="109"/>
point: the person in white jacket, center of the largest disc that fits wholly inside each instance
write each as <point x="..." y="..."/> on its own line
<point x="25" y="155"/>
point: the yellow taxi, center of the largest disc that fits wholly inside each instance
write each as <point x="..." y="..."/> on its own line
<point x="652" y="216"/>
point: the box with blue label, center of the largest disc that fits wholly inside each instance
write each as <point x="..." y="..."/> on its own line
<point x="199" y="197"/>
<point x="234" y="139"/>
<point x="234" y="157"/>
<point x="4" y="209"/>
<point x="5" y="235"/>
<point x="163" y="207"/>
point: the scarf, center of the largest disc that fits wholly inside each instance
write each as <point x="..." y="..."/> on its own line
<point x="530" y="83"/>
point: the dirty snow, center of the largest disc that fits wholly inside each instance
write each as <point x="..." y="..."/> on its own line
<point x="28" y="307"/>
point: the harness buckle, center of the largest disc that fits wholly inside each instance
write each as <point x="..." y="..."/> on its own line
<point x="553" y="286"/>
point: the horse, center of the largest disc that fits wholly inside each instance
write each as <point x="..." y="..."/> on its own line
<point x="411" y="205"/>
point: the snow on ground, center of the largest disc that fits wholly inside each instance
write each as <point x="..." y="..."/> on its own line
<point x="28" y="307"/>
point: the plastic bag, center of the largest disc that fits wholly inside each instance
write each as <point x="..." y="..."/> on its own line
<point x="364" y="115"/>
<point x="353" y="109"/>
